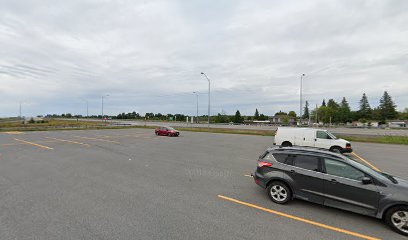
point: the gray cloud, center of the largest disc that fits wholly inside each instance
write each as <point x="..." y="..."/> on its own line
<point x="148" y="55"/>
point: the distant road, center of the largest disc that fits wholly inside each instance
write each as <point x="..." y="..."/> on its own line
<point x="342" y="130"/>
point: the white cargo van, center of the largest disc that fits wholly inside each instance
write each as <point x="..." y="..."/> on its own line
<point x="311" y="137"/>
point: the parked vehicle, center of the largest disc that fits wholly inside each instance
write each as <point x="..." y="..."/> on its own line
<point x="311" y="137"/>
<point x="166" y="131"/>
<point x="332" y="179"/>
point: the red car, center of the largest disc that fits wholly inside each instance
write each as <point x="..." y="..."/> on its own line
<point x="166" y="131"/>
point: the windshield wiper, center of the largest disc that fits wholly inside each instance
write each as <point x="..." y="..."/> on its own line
<point x="391" y="178"/>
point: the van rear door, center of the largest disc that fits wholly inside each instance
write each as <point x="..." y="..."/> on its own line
<point x="309" y="138"/>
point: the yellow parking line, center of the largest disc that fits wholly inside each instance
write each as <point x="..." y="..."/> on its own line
<point x="113" y="136"/>
<point x="98" y="139"/>
<point x="15" y="144"/>
<point x="366" y="162"/>
<point x="69" y="141"/>
<point x="105" y="136"/>
<point x="34" y="144"/>
<point x="299" y="219"/>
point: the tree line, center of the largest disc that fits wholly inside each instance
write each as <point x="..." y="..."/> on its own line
<point x="331" y="111"/>
<point x="341" y="113"/>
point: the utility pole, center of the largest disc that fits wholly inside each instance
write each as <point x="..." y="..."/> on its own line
<point x="300" y="105"/>
<point x="196" y="93"/>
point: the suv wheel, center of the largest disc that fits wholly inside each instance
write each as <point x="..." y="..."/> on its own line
<point x="279" y="193"/>
<point x="397" y="219"/>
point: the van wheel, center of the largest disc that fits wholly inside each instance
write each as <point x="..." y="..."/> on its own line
<point x="336" y="149"/>
<point x="286" y="144"/>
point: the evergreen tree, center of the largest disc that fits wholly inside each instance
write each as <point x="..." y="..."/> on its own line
<point x="365" y="110"/>
<point x="333" y="111"/>
<point x="344" y="111"/>
<point x="324" y="103"/>
<point x="256" y="116"/>
<point x="387" y="107"/>
<point x="332" y="104"/>
<point x="306" y="111"/>
<point x="237" y="117"/>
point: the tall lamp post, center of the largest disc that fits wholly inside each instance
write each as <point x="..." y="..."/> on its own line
<point x="19" y="112"/>
<point x="103" y="96"/>
<point x="196" y="93"/>
<point x="300" y="105"/>
<point x="87" y="112"/>
<point x="209" y="98"/>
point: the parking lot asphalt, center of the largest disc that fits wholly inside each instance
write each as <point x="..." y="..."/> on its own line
<point x="131" y="184"/>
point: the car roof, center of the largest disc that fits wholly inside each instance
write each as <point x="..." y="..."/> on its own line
<point x="302" y="128"/>
<point x="310" y="150"/>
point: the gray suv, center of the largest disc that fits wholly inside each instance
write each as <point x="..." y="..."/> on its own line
<point x="333" y="180"/>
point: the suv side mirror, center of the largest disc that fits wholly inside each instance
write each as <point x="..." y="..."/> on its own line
<point x="366" y="180"/>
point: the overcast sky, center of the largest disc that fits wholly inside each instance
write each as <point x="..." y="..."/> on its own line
<point x="148" y="55"/>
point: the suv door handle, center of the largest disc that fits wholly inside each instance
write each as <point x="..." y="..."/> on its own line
<point x="334" y="181"/>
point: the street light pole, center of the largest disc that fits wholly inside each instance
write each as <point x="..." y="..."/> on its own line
<point x="209" y="98"/>
<point x="196" y="93"/>
<point x="87" y="112"/>
<point x="107" y="95"/>
<point x="300" y="105"/>
<point x="20" y="111"/>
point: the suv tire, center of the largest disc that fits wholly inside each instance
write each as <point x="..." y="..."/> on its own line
<point x="398" y="215"/>
<point x="279" y="192"/>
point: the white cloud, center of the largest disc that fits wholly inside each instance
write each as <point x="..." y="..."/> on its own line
<point x="148" y="55"/>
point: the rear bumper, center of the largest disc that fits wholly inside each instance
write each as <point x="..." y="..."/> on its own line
<point x="259" y="180"/>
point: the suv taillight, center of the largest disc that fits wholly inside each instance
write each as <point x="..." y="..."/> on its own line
<point x="264" y="164"/>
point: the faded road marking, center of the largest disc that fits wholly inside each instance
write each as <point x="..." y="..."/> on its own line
<point x="34" y="144"/>
<point x="69" y="141"/>
<point x="98" y="139"/>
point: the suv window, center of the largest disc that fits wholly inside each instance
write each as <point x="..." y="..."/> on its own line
<point x="280" y="157"/>
<point x="322" y="135"/>
<point x="341" y="169"/>
<point x="306" y="162"/>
